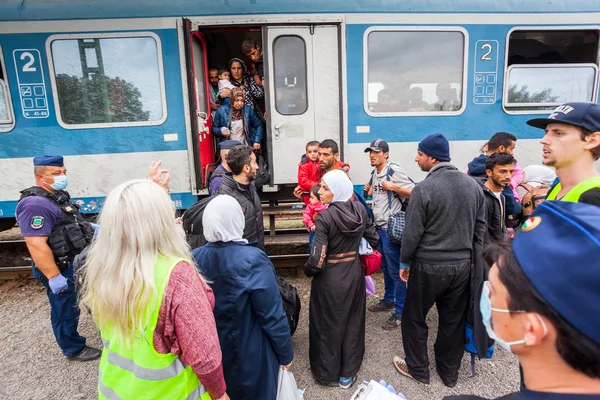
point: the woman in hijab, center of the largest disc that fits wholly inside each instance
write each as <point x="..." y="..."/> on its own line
<point x="237" y="121"/>
<point x="337" y="297"/>
<point x="240" y="77"/>
<point x="253" y="329"/>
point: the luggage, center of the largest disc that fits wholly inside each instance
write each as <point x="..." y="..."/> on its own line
<point x="192" y="223"/>
<point x="291" y="302"/>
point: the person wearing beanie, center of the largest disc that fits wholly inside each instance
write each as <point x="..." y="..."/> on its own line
<point x="542" y="312"/>
<point x="445" y="221"/>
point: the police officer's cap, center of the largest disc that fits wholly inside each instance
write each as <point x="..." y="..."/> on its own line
<point x="229" y="144"/>
<point x="48" y="161"/>
<point x="558" y="250"/>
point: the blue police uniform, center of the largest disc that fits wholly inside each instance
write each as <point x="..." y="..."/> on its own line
<point x="38" y="216"/>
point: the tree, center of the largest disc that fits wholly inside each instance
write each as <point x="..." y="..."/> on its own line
<point x="99" y="99"/>
<point x="522" y="95"/>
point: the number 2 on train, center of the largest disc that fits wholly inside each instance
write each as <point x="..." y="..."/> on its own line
<point x="28" y="66"/>
<point x="485" y="57"/>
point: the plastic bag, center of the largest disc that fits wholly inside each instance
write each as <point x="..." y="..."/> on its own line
<point x="370" y="286"/>
<point x="287" y="388"/>
<point x="364" y="249"/>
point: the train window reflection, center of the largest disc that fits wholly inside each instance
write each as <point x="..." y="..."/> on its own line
<point x="4" y="113"/>
<point x="114" y="80"/>
<point x="289" y="63"/>
<point x="545" y="87"/>
<point x="414" y="72"/>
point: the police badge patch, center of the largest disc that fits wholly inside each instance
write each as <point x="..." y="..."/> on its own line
<point x="37" y="222"/>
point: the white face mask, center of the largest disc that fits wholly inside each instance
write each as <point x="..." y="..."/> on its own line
<point x="485" y="305"/>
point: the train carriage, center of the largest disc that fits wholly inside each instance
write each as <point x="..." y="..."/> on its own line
<point x="112" y="85"/>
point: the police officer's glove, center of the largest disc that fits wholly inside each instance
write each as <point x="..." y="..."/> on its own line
<point x="58" y="284"/>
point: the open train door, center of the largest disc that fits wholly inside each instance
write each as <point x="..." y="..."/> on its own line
<point x="304" y="93"/>
<point x="200" y="118"/>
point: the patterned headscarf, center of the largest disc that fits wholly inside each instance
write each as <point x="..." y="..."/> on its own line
<point x="235" y="93"/>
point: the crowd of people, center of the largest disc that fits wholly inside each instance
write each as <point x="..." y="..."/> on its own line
<point x="210" y="323"/>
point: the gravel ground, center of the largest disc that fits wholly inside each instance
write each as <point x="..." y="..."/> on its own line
<point x="32" y="366"/>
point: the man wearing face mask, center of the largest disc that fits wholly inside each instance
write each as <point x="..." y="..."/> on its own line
<point x="55" y="232"/>
<point x="541" y="302"/>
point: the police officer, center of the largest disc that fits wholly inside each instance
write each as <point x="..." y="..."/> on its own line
<point x="572" y="145"/>
<point x="55" y="232"/>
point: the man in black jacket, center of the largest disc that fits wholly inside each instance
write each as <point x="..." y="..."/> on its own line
<point x="499" y="169"/>
<point x="445" y="220"/>
<point x="242" y="162"/>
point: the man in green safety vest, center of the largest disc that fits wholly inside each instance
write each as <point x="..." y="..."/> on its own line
<point x="572" y="145"/>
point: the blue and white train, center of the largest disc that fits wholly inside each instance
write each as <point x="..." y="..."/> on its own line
<point x="114" y="84"/>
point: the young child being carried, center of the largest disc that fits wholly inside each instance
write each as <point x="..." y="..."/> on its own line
<point x="309" y="171"/>
<point x="309" y="216"/>
<point x="224" y="83"/>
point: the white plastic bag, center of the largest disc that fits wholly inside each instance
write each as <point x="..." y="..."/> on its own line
<point x="364" y="249"/>
<point x="287" y="388"/>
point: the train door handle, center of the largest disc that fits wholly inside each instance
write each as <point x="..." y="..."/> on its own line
<point x="277" y="127"/>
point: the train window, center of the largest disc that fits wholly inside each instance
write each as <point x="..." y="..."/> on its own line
<point x="6" y="112"/>
<point x="289" y="63"/>
<point x="414" y="72"/>
<point x="545" y="87"/>
<point x="546" y="68"/>
<point x="104" y="81"/>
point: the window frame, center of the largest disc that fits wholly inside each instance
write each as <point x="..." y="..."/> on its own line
<point x="537" y="29"/>
<point x="305" y="74"/>
<point x="544" y="66"/>
<point x="8" y="98"/>
<point x="103" y="35"/>
<point x="463" y="96"/>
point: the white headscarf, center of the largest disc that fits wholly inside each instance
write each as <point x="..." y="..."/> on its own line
<point x="223" y="220"/>
<point x="540" y="174"/>
<point x="339" y="184"/>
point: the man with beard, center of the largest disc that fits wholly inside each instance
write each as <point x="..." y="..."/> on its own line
<point x="242" y="162"/>
<point x="499" y="169"/>
<point x="572" y="145"/>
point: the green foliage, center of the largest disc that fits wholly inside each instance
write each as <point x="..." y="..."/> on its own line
<point x="522" y="95"/>
<point x="99" y="99"/>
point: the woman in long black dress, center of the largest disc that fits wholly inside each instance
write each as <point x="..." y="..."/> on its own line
<point x="337" y="298"/>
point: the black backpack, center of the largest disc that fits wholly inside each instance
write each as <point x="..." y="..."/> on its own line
<point x="192" y="223"/>
<point x="291" y="302"/>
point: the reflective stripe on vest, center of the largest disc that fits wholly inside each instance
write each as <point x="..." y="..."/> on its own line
<point x="574" y="194"/>
<point x="137" y="370"/>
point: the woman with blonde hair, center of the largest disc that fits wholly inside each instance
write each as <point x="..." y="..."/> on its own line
<point x="153" y="308"/>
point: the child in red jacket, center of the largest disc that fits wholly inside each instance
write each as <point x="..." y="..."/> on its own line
<point x="309" y="216"/>
<point x="309" y="171"/>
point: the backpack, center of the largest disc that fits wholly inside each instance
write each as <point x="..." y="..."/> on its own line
<point x="291" y="302"/>
<point x="192" y="223"/>
<point x="533" y="197"/>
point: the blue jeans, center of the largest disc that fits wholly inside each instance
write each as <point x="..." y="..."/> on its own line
<point x="64" y="314"/>
<point x="311" y="240"/>
<point x="395" y="288"/>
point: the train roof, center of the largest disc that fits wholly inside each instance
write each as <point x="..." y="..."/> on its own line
<point x="38" y="10"/>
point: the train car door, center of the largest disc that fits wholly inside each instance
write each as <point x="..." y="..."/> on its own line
<point x="304" y="93"/>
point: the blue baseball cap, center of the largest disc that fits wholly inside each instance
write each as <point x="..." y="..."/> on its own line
<point x="229" y="144"/>
<point x="558" y="249"/>
<point x="584" y="115"/>
<point x="48" y="161"/>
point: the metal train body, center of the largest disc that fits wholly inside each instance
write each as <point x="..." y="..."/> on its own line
<point x="326" y="65"/>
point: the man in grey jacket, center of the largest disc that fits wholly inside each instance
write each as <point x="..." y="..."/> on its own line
<point x="444" y="220"/>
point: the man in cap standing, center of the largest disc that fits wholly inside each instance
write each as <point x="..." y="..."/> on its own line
<point x="222" y="170"/>
<point x="445" y="220"/>
<point x="386" y="177"/>
<point x="572" y="145"/>
<point x="55" y="232"/>
<point x="543" y="312"/>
